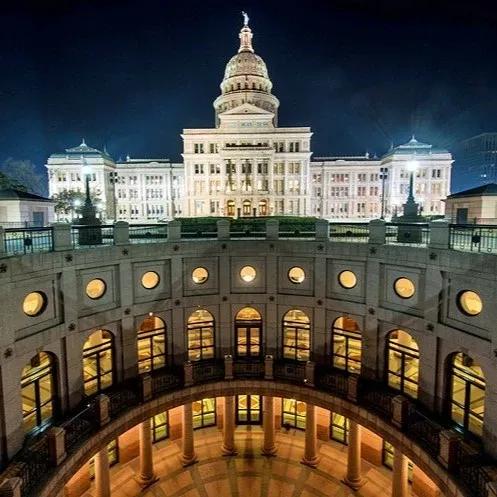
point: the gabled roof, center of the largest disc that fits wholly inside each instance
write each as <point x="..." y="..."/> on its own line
<point x="246" y="108"/>
<point x="487" y="190"/>
<point x="83" y="150"/>
<point x="14" y="194"/>
<point x="414" y="146"/>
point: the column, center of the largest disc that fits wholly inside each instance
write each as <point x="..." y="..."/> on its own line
<point x="400" y="486"/>
<point x="146" y="476"/>
<point x="310" y="451"/>
<point x="268" y="448"/>
<point x="229" y="448"/>
<point x="188" y="457"/>
<point x="102" y="476"/>
<point x="353" y="477"/>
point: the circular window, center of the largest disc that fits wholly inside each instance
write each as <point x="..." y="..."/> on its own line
<point x="96" y="288"/>
<point x="347" y="279"/>
<point x="469" y="302"/>
<point x="296" y="275"/>
<point x="150" y="280"/>
<point x="404" y="288"/>
<point x="247" y="274"/>
<point x="34" y="303"/>
<point x="200" y="275"/>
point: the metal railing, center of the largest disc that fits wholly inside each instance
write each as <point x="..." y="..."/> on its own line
<point x="407" y="234"/>
<point x="473" y="238"/>
<point x="349" y="232"/>
<point x="18" y="241"/>
<point x="147" y="233"/>
<point x="34" y="464"/>
<point x="91" y="236"/>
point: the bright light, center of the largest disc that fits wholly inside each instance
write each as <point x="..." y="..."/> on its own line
<point x="412" y="165"/>
<point x="77" y="202"/>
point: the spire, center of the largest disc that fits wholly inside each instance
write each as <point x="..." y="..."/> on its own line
<point x="245" y="36"/>
<point x="83" y="143"/>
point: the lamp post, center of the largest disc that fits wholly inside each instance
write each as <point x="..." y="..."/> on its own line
<point x="384" y="177"/>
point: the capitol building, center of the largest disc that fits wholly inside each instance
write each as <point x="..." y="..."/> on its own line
<point x="247" y="165"/>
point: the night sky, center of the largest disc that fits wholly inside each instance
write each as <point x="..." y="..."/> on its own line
<point x="131" y="74"/>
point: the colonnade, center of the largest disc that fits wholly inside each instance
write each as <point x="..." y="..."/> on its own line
<point x="353" y="477"/>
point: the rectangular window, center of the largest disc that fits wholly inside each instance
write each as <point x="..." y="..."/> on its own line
<point x="160" y="427"/>
<point x="293" y="414"/>
<point x="204" y="413"/>
<point x="339" y="428"/>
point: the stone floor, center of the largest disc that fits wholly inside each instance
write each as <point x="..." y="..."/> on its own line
<point x="248" y="474"/>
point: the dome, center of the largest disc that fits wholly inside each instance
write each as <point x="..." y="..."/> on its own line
<point x="245" y="63"/>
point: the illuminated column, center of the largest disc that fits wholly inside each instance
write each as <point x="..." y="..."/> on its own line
<point x="102" y="476"/>
<point x="229" y="448"/>
<point x="400" y="477"/>
<point x="310" y="451"/>
<point x="188" y="457"/>
<point x="268" y="448"/>
<point x="353" y="477"/>
<point x="147" y="475"/>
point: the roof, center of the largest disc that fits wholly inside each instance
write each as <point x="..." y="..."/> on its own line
<point x="14" y="194"/>
<point x="84" y="150"/>
<point x="490" y="189"/>
<point x="414" y="146"/>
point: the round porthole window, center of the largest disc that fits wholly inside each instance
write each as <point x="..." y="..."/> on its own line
<point x="404" y="288"/>
<point x="347" y="279"/>
<point x="296" y="275"/>
<point x="469" y="303"/>
<point x="150" y="280"/>
<point x="247" y="274"/>
<point x="200" y="275"/>
<point x="96" y="288"/>
<point x="34" y="303"/>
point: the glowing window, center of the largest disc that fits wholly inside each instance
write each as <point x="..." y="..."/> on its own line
<point x="248" y="331"/>
<point x="150" y="280"/>
<point x="346" y="342"/>
<point x="296" y="336"/>
<point x="247" y="274"/>
<point x="98" y="362"/>
<point x="204" y="413"/>
<point x="34" y="303"/>
<point x="404" y="288"/>
<point x="200" y="335"/>
<point x="200" y="275"/>
<point x="296" y="275"/>
<point x="293" y="414"/>
<point x="347" y="279"/>
<point x="96" y="288"/>
<point x="403" y="363"/>
<point x="151" y="344"/>
<point x="469" y="303"/>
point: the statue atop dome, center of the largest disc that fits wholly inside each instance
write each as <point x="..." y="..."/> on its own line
<point x="245" y="18"/>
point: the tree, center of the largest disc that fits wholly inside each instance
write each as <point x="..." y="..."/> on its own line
<point x="70" y="202"/>
<point x="7" y="182"/>
<point x="24" y="172"/>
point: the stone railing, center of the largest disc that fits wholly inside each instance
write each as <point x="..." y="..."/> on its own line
<point x="37" y="462"/>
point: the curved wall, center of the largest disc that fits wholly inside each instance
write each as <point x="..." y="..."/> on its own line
<point x="431" y="316"/>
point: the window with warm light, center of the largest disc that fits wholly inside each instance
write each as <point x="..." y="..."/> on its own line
<point x="37" y="391"/>
<point x="296" y="336"/>
<point x="404" y="288"/>
<point x="339" y="428"/>
<point x="200" y="330"/>
<point x="150" y="280"/>
<point x="293" y="414"/>
<point x="346" y="340"/>
<point x="160" y="426"/>
<point x="248" y="409"/>
<point x="469" y="303"/>
<point x="112" y="454"/>
<point x="403" y="363"/>
<point x="34" y="303"/>
<point x="204" y="413"/>
<point x="347" y="279"/>
<point x="296" y="275"/>
<point x="96" y="288"/>
<point x="200" y="275"/>
<point x="98" y="362"/>
<point x="151" y="344"/>
<point x="248" y="274"/>
<point x="248" y="333"/>
<point x="388" y="454"/>
<point x="467" y="393"/>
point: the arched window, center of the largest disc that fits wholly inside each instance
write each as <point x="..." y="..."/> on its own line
<point x="98" y="362"/>
<point x="403" y="362"/>
<point x="247" y="208"/>
<point x="151" y="343"/>
<point x="200" y="335"/>
<point x="467" y="393"/>
<point x="263" y="208"/>
<point x="296" y="336"/>
<point x="38" y="391"/>
<point x="346" y="339"/>
<point x="248" y="333"/>
<point x="230" y="208"/>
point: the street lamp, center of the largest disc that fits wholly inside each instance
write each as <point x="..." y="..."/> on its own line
<point x="383" y="177"/>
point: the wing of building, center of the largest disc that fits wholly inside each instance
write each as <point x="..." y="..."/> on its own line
<point x="247" y="165"/>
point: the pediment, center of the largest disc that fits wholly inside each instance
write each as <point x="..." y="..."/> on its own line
<point x="246" y="108"/>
